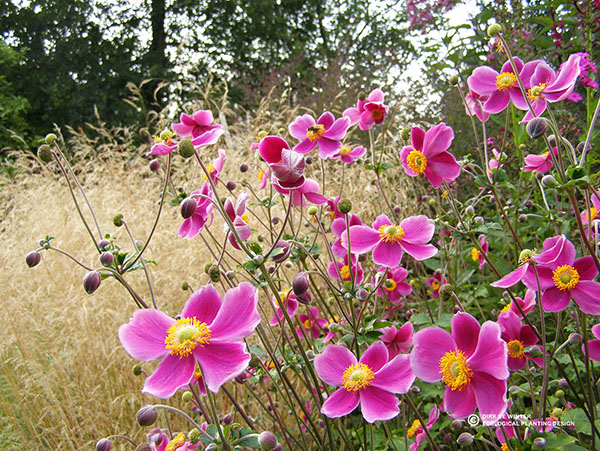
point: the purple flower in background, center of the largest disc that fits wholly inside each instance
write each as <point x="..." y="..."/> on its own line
<point x="199" y="123"/>
<point x="369" y="111"/>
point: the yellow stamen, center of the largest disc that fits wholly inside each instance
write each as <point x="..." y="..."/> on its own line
<point x="414" y="428"/>
<point x="456" y="371"/>
<point x="591" y="214"/>
<point x="506" y="80"/>
<point x="307" y="324"/>
<point x="345" y="272"/>
<point x="177" y="442"/>
<point x="445" y="194"/>
<point x="505" y="309"/>
<point x="330" y="321"/>
<point x="475" y="254"/>
<point x="416" y="161"/>
<point x="526" y="256"/>
<point x="390" y="285"/>
<point x="515" y="348"/>
<point x="185" y="335"/>
<point x="209" y="168"/>
<point x="245" y="218"/>
<point x="357" y="376"/>
<point x="435" y="284"/>
<point x="315" y="132"/>
<point x="504" y="447"/>
<point x="283" y="295"/>
<point x="345" y="151"/>
<point x="536" y="93"/>
<point x="389" y="232"/>
<point x="565" y="277"/>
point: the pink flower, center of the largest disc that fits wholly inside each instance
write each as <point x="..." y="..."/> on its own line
<point x="472" y="362"/>
<point x="517" y="338"/>
<point x="191" y="226"/>
<point x="338" y="228"/>
<point x="428" y="154"/>
<point x="388" y="241"/>
<point x="541" y="163"/>
<point x="311" y="323"/>
<point x="565" y="278"/>
<point x="368" y="112"/>
<point x="527" y="303"/>
<point x="591" y="214"/>
<point x="495" y="163"/>
<point x="208" y="330"/>
<point x="346" y="272"/>
<point x="476" y="255"/>
<point x="348" y="155"/>
<point x="397" y="340"/>
<point x="326" y="132"/>
<point x="264" y="176"/>
<point x="434" y="283"/>
<point x="238" y="216"/>
<point x="593" y="345"/>
<point x="215" y="168"/>
<point x="547" y="86"/>
<point x="417" y="428"/>
<point x="159" y="441"/>
<point x="332" y="208"/>
<point x="474" y="106"/>
<point x="199" y="123"/>
<point x="289" y="302"/>
<point x="309" y="191"/>
<point x="371" y="382"/>
<point x="394" y="287"/>
<point x="165" y="144"/>
<point x="286" y="166"/>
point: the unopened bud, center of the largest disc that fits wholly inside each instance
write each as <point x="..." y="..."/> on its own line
<point x="405" y="134"/>
<point x="231" y="185"/>
<point x="445" y="291"/>
<point x="185" y="148"/>
<point x="137" y="370"/>
<point x="539" y="443"/>
<point x="188" y="207"/>
<point x="258" y="259"/>
<point x="194" y="436"/>
<point x="207" y="268"/>
<point x="154" y="165"/>
<point x="185" y="286"/>
<point x="33" y="258"/>
<point x="214" y="274"/>
<point x="457" y="425"/>
<point x="549" y="181"/>
<point x="230" y="275"/>
<point x="493" y="30"/>
<point x="243" y="167"/>
<point x="415" y="389"/>
<point x="309" y="160"/>
<point x="344" y="206"/>
<point x="227" y="419"/>
<point x="45" y="154"/>
<point x="465" y="439"/>
<point x="103" y="245"/>
<point x="563" y="383"/>
<point x="470" y="211"/>
<point x="118" y="220"/>
<point x="50" y="138"/>
<point x="91" y="281"/>
<point x="300" y="285"/>
<point x="479" y="220"/>
<point x="453" y="80"/>
<point x="267" y="440"/>
<point x="146" y="416"/>
<point x="362" y="95"/>
<point x="103" y="445"/>
<point x="305" y="298"/>
<point x="536" y="127"/>
<point x="106" y="258"/>
<point x="187" y="396"/>
<point x="313" y="210"/>
<point x="362" y="294"/>
<point x="522" y="218"/>
<point x="574" y="338"/>
<point x="559" y="394"/>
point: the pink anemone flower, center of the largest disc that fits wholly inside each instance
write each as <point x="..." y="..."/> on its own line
<point x="527" y="304"/>
<point x="204" y="207"/>
<point x="311" y="323"/>
<point x="474" y="106"/>
<point x="209" y="328"/>
<point x="472" y="362"/>
<point x="332" y="208"/>
<point x="288" y="298"/>
<point x="348" y="155"/>
<point x="417" y="431"/>
<point x="199" y="123"/>
<point x="369" y="111"/>
<point x="215" y="168"/>
<point x="168" y="145"/>
<point x="517" y="338"/>
<point x="388" y="241"/>
<point x="372" y="381"/>
<point x="326" y="132"/>
<point x="239" y="218"/>
<point x="565" y="278"/>
<point x="286" y="167"/>
<point x="309" y="191"/>
<point x="434" y="283"/>
<point x="495" y="163"/>
<point x="476" y="255"/>
<point x="397" y="341"/>
<point x="338" y="228"/>
<point x="428" y="154"/>
<point x="346" y="272"/>
<point x="547" y="86"/>
<point x="159" y="441"/>
<point x="541" y="163"/>
<point x="593" y="345"/>
<point x="394" y="287"/>
<point x="591" y="214"/>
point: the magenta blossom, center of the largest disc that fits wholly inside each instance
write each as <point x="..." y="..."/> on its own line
<point x="472" y="362"/>
<point x="541" y="163"/>
<point x="372" y="381"/>
<point x="191" y="226"/>
<point x="311" y="323"/>
<point x="474" y="106"/>
<point x="239" y="218"/>
<point x="165" y="144"/>
<point x="348" y="155"/>
<point x="591" y="214"/>
<point x="417" y="431"/>
<point x="476" y="254"/>
<point x="394" y="287"/>
<point x="565" y="278"/>
<point x="428" y="154"/>
<point x="288" y="298"/>
<point x="208" y="330"/>
<point x="495" y="163"/>
<point x="388" y="241"/>
<point x="309" y="191"/>
<point x="369" y="111"/>
<point x="326" y="132"/>
<point x="332" y="208"/>
<point x="517" y="338"/>
<point x="346" y="272"/>
<point x="434" y="283"/>
<point x="338" y="228"/>
<point x="286" y="166"/>
<point x="215" y="168"/>
<point x="159" y="441"/>
<point x="527" y="304"/>
<point x="199" y="123"/>
<point x="397" y="341"/>
<point x="593" y="345"/>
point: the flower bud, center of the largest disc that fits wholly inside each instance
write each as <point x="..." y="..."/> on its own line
<point x="117" y="220"/>
<point x="539" y="443"/>
<point x="362" y="294"/>
<point x="548" y="181"/>
<point x="214" y="274"/>
<point x="493" y="30"/>
<point x="146" y="416"/>
<point x="137" y="370"/>
<point x="344" y="206"/>
<point x="285" y="246"/>
<point x="465" y="439"/>
<point x="50" y="138"/>
<point x="279" y="447"/>
<point x="580" y="147"/>
<point x="258" y="259"/>
<point x="563" y="383"/>
<point x="185" y="286"/>
<point x="457" y="425"/>
<point x="188" y="207"/>
<point x="33" y="258"/>
<point x="522" y="218"/>
<point x="469" y="211"/>
<point x="154" y="165"/>
<point x="231" y="185"/>
<point x="415" y="389"/>
<point x="187" y="396"/>
<point x="207" y="268"/>
<point x="267" y="440"/>
<point x="194" y="436"/>
<point x="305" y="298"/>
<point x="227" y="419"/>
<point x="103" y="445"/>
<point x="557" y="412"/>
<point x="574" y="338"/>
<point x="559" y="394"/>
<point x="453" y="80"/>
<point x="185" y="148"/>
<point x="230" y="275"/>
<point x="405" y="134"/>
<point x="45" y="154"/>
<point x="536" y="127"/>
<point x="300" y="285"/>
<point x="106" y="258"/>
<point x="479" y="220"/>
<point x="309" y="160"/>
<point x="445" y="291"/>
<point x="313" y="210"/>
<point x="91" y="281"/>
<point x="535" y="351"/>
<point x="362" y="95"/>
<point x="243" y="167"/>
<point x="103" y="245"/>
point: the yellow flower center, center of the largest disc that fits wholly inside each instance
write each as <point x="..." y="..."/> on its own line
<point x="591" y="214"/>
<point x="283" y="295"/>
<point x="307" y="324"/>
<point x="456" y="371"/>
<point x="435" y="284"/>
<point x="185" y="335"/>
<point x="389" y="232"/>
<point x="505" y="309"/>
<point x="330" y="321"/>
<point x="414" y="428"/>
<point x="526" y="256"/>
<point x="345" y="150"/>
<point x="504" y="447"/>
<point x="390" y="285"/>
<point x="345" y="272"/>
<point x="209" y="168"/>
<point x="245" y="218"/>
<point x="357" y="376"/>
<point x="416" y="161"/>
<point x="506" y="80"/>
<point x="315" y="132"/>
<point x="565" y="277"/>
<point x="445" y="194"/>
<point x="535" y="93"/>
<point x="475" y="254"/>
<point x="269" y="365"/>
<point x="515" y="348"/>
<point x="177" y="442"/>
<point x="261" y="174"/>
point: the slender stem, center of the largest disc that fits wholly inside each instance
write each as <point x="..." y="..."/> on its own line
<point x="143" y="265"/>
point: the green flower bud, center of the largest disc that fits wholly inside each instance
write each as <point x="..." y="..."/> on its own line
<point x="362" y="95"/>
<point x="185" y="148"/>
<point x="117" y="220"/>
<point x="137" y="370"/>
<point x="344" y="206"/>
<point x="557" y="412"/>
<point x="207" y="268"/>
<point x="50" y="138"/>
<point x="494" y="30"/>
<point x="453" y="80"/>
<point x="405" y="133"/>
<point x="45" y="154"/>
<point x="313" y="210"/>
<point x="214" y="274"/>
<point x="187" y="396"/>
<point x="559" y="394"/>
<point x="194" y="436"/>
<point x="185" y="286"/>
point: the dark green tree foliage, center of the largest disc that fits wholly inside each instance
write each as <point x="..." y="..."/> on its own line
<point x="12" y="106"/>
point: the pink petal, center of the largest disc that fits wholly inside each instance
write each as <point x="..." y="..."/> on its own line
<point x="418" y="229"/>
<point x="270" y="148"/>
<point x="555" y="300"/>
<point x="587" y="296"/>
<point x="434" y="178"/>
<point x="511" y="278"/>
<point x="340" y="403"/>
<point x="143" y="337"/>
<point x="238" y="316"/>
<point x="300" y="125"/>
<point x="332" y="362"/>
<point x="594" y="350"/>
<point x="437" y="140"/>
<point x="586" y="268"/>
<point x="208" y="138"/>
<point x="460" y="403"/>
<point x="376" y="95"/>
<point x="564" y="83"/>
<point x="490" y="394"/>
<point x="596" y="330"/>
<point x="483" y="80"/>
<point x="305" y="146"/>
<point x="187" y="120"/>
<point x="544" y="275"/>
<point x="377" y="404"/>
<point x="170" y="374"/>
<point x="465" y="331"/>
<point x="417" y="137"/>
<point x="497" y="102"/>
<point x="328" y="147"/>
<point x="445" y="165"/>
<point x="182" y="130"/>
<point x="203" y="117"/>
<point x="491" y="352"/>
<point x="327" y="119"/>
<point x="362" y="239"/>
<point x="429" y="346"/>
<point x="338" y="130"/>
<point x="396" y="376"/>
<point x="353" y="114"/>
<point x="420" y="252"/>
<point x="381" y="220"/>
<point x="221" y="361"/>
<point x="203" y="304"/>
<point x="375" y="356"/>
<point x="386" y="253"/>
